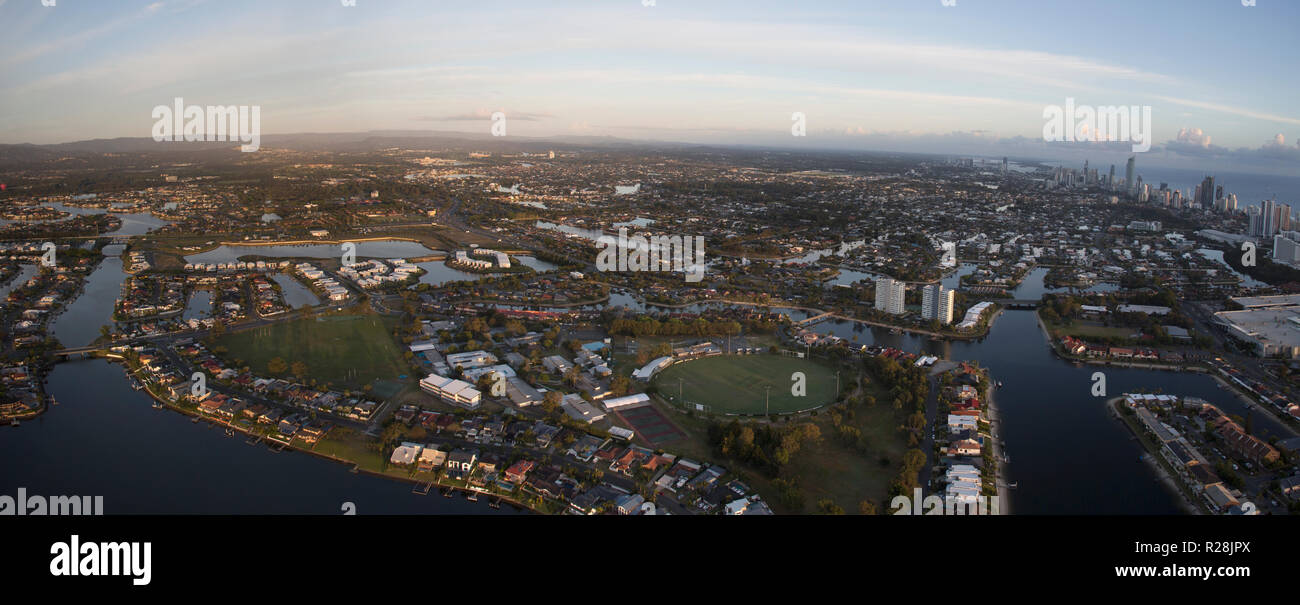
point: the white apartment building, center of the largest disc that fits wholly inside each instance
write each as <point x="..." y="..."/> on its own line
<point x="889" y="295"/>
<point x="936" y="303"/>
<point x="1286" y="248"/>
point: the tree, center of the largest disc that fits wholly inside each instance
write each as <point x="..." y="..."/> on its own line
<point x="621" y="385"/>
<point x="551" y="400"/>
<point x="829" y="507"/>
<point x="277" y="366"/>
<point x="867" y="507"/>
<point x="299" y="369"/>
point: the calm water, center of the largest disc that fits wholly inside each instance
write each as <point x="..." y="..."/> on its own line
<point x="199" y="306"/>
<point x="79" y="324"/>
<point x="26" y="271"/>
<point x="105" y="440"/>
<point x="295" y="294"/>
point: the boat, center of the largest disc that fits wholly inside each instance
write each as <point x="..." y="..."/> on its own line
<point x="158" y="405"/>
<point x="472" y="497"/>
<point x="13" y="422"/>
<point x="999" y="384"/>
<point x="495" y="503"/>
<point x="1013" y="484"/>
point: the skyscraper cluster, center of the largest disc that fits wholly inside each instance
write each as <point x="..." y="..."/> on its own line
<point x="1269" y="219"/>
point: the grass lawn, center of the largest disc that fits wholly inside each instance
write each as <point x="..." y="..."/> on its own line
<point x="832" y="469"/>
<point x="826" y="469"/>
<point x="342" y="349"/>
<point x="734" y="384"/>
<point x="1084" y="329"/>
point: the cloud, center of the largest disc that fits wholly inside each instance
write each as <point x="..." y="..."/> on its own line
<point x="1195" y="143"/>
<point x="1193" y="136"/>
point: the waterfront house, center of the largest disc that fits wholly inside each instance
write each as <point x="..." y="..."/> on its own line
<point x="965" y="447"/>
<point x="406" y="454"/>
<point x="488" y="463"/>
<point x="461" y="462"/>
<point x="314" y="431"/>
<point x="431" y="458"/>
<point x="518" y="471"/>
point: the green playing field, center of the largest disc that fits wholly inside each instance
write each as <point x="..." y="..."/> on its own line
<point x="735" y="384"/>
<point x="339" y="349"/>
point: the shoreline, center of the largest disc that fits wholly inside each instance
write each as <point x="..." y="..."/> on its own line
<point x="988" y="327"/>
<point x="1161" y="473"/>
<point x="1000" y="478"/>
<point x="356" y="467"/>
<point x="1197" y="368"/>
<point x="309" y="242"/>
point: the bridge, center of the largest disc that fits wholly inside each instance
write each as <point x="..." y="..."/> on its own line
<point x="815" y="319"/>
<point x="77" y="352"/>
<point x="1023" y="303"/>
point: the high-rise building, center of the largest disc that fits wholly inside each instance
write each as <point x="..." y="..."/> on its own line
<point x="936" y="303"/>
<point x="1286" y="248"/>
<point x="1255" y="216"/>
<point x="1272" y="217"/>
<point x="890" y="294"/>
<point x="1205" y="193"/>
<point x="1130" y="184"/>
<point x="1110" y="180"/>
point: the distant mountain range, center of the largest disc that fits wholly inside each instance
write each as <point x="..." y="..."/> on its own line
<point x="335" y="141"/>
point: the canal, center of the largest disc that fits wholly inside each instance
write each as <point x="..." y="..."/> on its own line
<point x="1068" y="455"/>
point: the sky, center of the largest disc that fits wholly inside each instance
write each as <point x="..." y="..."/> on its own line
<point x="901" y="75"/>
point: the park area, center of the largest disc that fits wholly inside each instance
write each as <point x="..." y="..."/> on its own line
<point x="341" y="349"/>
<point x="737" y="384"/>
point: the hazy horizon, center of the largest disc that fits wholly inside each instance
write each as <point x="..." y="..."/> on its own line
<point x="919" y="77"/>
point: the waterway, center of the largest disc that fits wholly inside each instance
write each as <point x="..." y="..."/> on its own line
<point x="105" y="439"/>
<point x="1067" y="454"/>
<point x="295" y="294"/>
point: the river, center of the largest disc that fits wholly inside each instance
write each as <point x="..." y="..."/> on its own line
<point x="1067" y="454"/>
